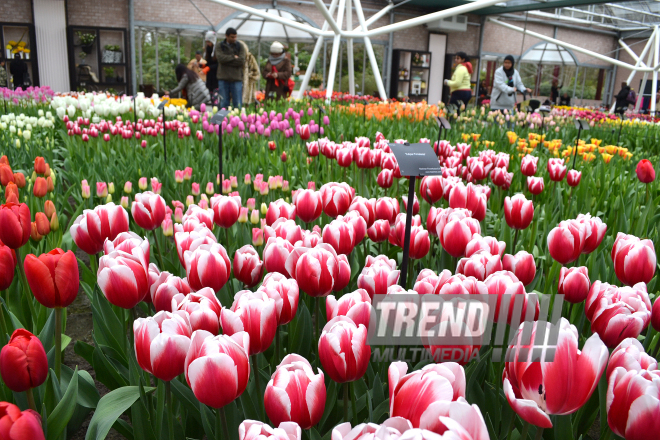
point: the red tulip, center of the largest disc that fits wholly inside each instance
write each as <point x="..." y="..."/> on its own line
<point x="284" y="291"/>
<point x="197" y="215"/>
<point x="358" y="223"/>
<point x="412" y="394"/>
<point x="379" y="231"/>
<point x="566" y="241"/>
<point x="218" y="368"/>
<point x="455" y="229"/>
<point x="522" y="265"/>
<point x="19" y="180"/>
<point x="535" y="185"/>
<point x="17" y="425"/>
<point x="23" y="362"/>
<point x="420" y="244"/>
<point x="272" y="146"/>
<point x="488" y="244"/>
<point x="595" y="230"/>
<point x="164" y="288"/>
<point x="90" y="230"/>
<point x="336" y="198"/>
<point x="377" y="278"/>
<point x="617" y="313"/>
<point x="15" y="224"/>
<point x="366" y="208"/>
<point x="391" y="428"/>
<point x="225" y="210"/>
<point x="254" y="430"/>
<point x="573" y="177"/>
<point x="340" y="235"/>
<point x="275" y="254"/>
<point x="343" y="349"/>
<point x="313" y="148"/>
<point x="308" y="205"/>
<point x="254" y="313"/>
<point x="8" y="263"/>
<point x="316" y="271"/>
<point x="286" y="229"/>
<point x="506" y="283"/>
<point x="562" y="386"/>
<point x="343" y="272"/>
<point x="203" y="309"/>
<point x="500" y="177"/>
<point x="161" y="343"/>
<point x="630" y="355"/>
<point x="191" y="240"/>
<point x="123" y="277"/>
<point x="355" y="305"/>
<point x="39" y="165"/>
<point x="304" y="132"/>
<point x="634" y="259"/>
<point x="280" y="209"/>
<point x="207" y="266"/>
<point x="148" y="210"/>
<point x="633" y="403"/>
<point x="415" y="204"/>
<point x="6" y="174"/>
<point x="427" y="280"/>
<point x="430" y="188"/>
<point x="645" y="171"/>
<point x="518" y="211"/>
<point x="344" y="157"/>
<point x="556" y="169"/>
<point x="469" y="197"/>
<point x="248" y="267"/>
<point x="478" y="168"/>
<point x="295" y="394"/>
<point x="574" y="284"/>
<point x="40" y="187"/>
<point x="385" y="178"/>
<point x="53" y="277"/>
<point x="387" y="208"/>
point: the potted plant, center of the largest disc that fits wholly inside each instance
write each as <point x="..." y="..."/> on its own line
<point x="111" y="54"/>
<point x="417" y="59"/>
<point x="315" y="80"/>
<point x="86" y="41"/>
<point x="109" y="73"/>
<point x="82" y="56"/>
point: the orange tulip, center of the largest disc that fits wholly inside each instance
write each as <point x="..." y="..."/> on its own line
<point x="40" y="187"/>
<point x="47" y="171"/>
<point x="11" y="189"/>
<point x="19" y="180"/>
<point x="6" y="175"/>
<point x="34" y="232"/>
<point x="4" y="160"/>
<point x="49" y="184"/>
<point x="49" y="208"/>
<point x="42" y="222"/>
<point x="39" y="165"/>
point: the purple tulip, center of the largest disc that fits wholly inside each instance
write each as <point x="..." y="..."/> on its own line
<point x="241" y="125"/>
<point x="310" y="111"/>
<point x="326" y="121"/>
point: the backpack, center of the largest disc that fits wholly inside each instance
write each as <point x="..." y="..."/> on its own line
<point x="631" y="97"/>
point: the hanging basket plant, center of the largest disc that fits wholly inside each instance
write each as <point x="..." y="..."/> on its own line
<point x="86" y="41"/>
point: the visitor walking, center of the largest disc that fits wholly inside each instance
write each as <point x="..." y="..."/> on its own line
<point x="194" y="89"/>
<point x="459" y="84"/>
<point x="231" y="60"/>
<point x="277" y="72"/>
<point x="19" y="72"/>
<point x="505" y="85"/>
<point x="554" y="91"/>
<point x="251" y="76"/>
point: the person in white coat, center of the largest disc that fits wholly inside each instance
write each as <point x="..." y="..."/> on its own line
<point x="506" y="84"/>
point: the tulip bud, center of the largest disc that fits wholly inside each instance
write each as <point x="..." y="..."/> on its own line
<point x="111" y="188"/>
<point x="190" y="200"/>
<point x="54" y="222"/>
<point x="243" y="215"/>
<point x="143" y="144"/>
<point x="209" y="188"/>
<point x="254" y="217"/>
<point x="34" y="233"/>
<point x="49" y="208"/>
<point x="283" y="156"/>
<point x="168" y="227"/>
<point x="142" y="183"/>
<point x="128" y="187"/>
<point x="248" y="179"/>
<point x="23" y="363"/>
<point x="42" y="222"/>
<point x="257" y="237"/>
<point x="251" y="204"/>
<point x="574" y="284"/>
<point x="124" y="202"/>
<point x="108" y="199"/>
<point x="50" y="184"/>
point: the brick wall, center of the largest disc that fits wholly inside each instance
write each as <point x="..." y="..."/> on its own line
<point x="102" y="13"/>
<point x="16" y="11"/>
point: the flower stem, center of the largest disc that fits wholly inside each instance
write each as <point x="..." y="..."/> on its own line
<point x="159" y="254"/>
<point x="30" y="399"/>
<point x="346" y="386"/>
<point x="58" y="342"/>
<point x="523" y="436"/>
<point x="353" y="403"/>
<point x="221" y="424"/>
<point x="539" y="434"/>
<point x="515" y="240"/>
<point x="255" y="371"/>
<point x="170" y="410"/>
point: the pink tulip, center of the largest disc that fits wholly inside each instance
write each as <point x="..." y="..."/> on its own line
<point x="455" y="229"/>
<point x="340" y="235"/>
<point x="254" y="313"/>
<point x="431" y="189"/>
<point x="254" y="430"/>
<point x="427" y="280"/>
<point x="366" y="208"/>
<point x="90" y="230"/>
<point x="566" y="241"/>
<point x="336" y="198"/>
<point x="506" y="283"/>
<point x="595" y="230"/>
<point x="218" y="368"/>
<point x="379" y="231"/>
<point x="630" y="355"/>
<point x="480" y="265"/>
<point x="617" y="313"/>
<point x="203" y="309"/>
<point x="304" y="132"/>
<point x="518" y="211"/>
<point x="166" y="287"/>
<point x="123" y="277"/>
<point x="185" y="241"/>
<point x="633" y="400"/>
<point x="284" y="291"/>
<point x="207" y="266"/>
<point x="412" y="394"/>
<point x="343" y="349"/>
<point x="161" y="343"/>
<point x="415" y="204"/>
<point x="275" y="254"/>
<point x="634" y="259"/>
<point x="316" y="271"/>
<point x="385" y="178"/>
<point x="390" y="429"/>
<point x="521" y="265"/>
<point x="308" y="205"/>
<point x="469" y="197"/>
<point x="280" y="209"/>
<point x="295" y="394"/>
<point x="199" y="215"/>
<point x="488" y="244"/>
<point x="574" y="284"/>
<point x="225" y="211"/>
<point x="561" y="386"/>
<point x="248" y="267"/>
<point x="387" y="208"/>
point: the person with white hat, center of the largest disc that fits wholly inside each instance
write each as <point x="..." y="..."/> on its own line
<point x="211" y="61"/>
<point x="277" y="72"/>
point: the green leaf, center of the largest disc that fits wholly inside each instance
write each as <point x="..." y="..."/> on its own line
<point x="207" y="422"/>
<point x="88" y="395"/>
<point x="110" y="408"/>
<point x="60" y="416"/>
<point x="562" y="427"/>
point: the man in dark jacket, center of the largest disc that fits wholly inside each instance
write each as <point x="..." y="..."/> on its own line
<point x="622" y="99"/>
<point x="19" y="71"/>
<point x="231" y="58"/>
